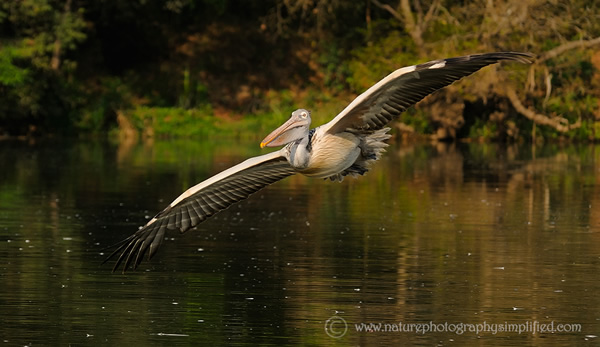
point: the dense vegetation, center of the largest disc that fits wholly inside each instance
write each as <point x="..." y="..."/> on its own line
<point x="197" y="67"/>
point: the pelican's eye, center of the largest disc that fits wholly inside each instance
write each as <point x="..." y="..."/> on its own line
<point x="304" y="114"/>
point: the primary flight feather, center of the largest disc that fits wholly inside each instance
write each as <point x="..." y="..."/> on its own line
<point x="346" y="145"/>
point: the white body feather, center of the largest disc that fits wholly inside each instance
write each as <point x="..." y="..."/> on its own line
<point x="331" y="154"/>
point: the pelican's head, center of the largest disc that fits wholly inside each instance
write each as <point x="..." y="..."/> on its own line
<point x="294" y="129"/>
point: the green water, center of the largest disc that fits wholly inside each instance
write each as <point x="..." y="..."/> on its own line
<point x="437" y="235"/>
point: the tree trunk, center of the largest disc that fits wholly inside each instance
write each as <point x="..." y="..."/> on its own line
<point x="57" y="49"/>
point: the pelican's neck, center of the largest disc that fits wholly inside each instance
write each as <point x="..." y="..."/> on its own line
<point x="300" y="151"/>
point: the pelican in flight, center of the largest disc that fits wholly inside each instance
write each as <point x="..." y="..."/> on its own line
<point x="347" y="145"/>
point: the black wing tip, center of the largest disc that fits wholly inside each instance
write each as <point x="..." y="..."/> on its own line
<point x="131" y="250"/>
<point x="492" y="57"/>
<point x="124" y="248"/>
<point x="481" y="58"/>
<point x="522" y="57"/>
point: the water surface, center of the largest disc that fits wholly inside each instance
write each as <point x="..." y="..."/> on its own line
<point x="437" y="235"/>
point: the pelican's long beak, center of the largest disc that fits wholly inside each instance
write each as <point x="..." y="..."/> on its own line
<point x="282" y="135"/>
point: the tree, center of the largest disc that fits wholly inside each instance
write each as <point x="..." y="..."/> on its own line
<point x="33" y="64"/>
<point x="445" y="28"/>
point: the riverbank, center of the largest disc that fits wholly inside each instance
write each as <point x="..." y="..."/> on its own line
<point x="165" y="123"/>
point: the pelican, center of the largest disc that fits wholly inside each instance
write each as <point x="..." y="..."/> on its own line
<point x="347" y="145"/>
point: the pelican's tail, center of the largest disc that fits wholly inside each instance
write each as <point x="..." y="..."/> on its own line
<point x="372" y="147"/>
<point x="375" y="145"/>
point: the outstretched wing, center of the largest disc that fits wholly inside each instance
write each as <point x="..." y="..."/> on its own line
<point x="403" y="88"/>
<point x="202" y="201"/>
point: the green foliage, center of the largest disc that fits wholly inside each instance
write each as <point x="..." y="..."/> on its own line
<point x="35" y="79"/>
<point x="483" y="129"/>
<point x="11" y="75"/>
<point x="573" y="105"/>
<point x="195" y="67"/>
<point x="417" y="120"/>
<point x="40" y="26"/>
<point x="333" y="67"/>
<point x="589" y="130"/>
<point x="175" y="122"/>
<point x="102" y="103"/>
<point x="372" y="62"/>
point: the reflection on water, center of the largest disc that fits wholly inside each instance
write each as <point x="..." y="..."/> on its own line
<point x="469" y="233"/>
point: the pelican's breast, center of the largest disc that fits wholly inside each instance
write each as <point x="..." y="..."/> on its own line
<point x="331" y="154"/>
